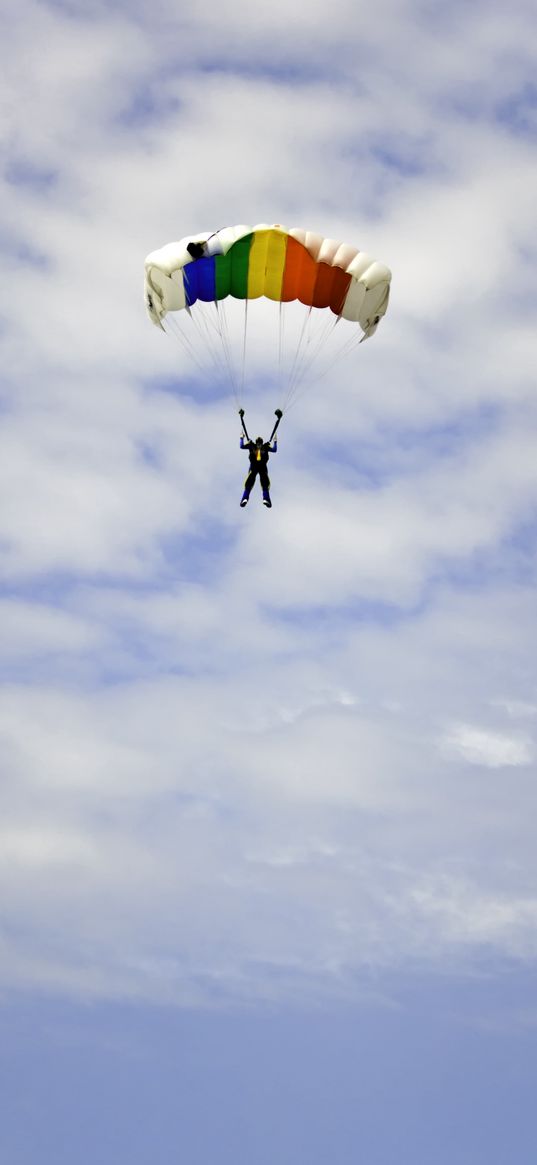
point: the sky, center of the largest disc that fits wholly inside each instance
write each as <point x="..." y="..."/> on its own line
<point x="268" y="872"/>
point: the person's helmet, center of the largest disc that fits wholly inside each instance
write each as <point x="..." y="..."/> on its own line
<point x="259" y="441"/>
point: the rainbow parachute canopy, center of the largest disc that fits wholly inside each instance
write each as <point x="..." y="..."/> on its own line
<point x="248" y="262"/>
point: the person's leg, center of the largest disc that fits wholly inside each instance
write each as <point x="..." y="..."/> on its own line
<point x="248" y="487"/>
<point x="265" y="485"/>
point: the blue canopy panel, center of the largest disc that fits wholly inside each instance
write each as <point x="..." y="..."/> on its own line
<point x="200" y="280"/>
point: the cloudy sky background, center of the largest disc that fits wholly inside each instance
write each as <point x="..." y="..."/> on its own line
<point x="267" y="833"/>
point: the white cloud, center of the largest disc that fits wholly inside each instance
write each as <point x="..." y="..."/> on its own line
<point x="38" y="848"/>
<point x="494" y="750"/>
<point x="466" y="916"/>
<point x="28" y="630"/>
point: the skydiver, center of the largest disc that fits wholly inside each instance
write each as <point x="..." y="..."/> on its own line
<point x="259" y="451"/>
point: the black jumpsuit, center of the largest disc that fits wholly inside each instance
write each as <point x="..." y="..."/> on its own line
<point x="259" y="455"/>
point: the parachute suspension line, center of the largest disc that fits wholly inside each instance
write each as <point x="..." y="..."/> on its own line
<point x="309" y="358"/>
<point x="308" y="348"/>
<point x="208" y="355"/>
<point x="350" y="346"/>
<point x="222" y="356"/>
<point x="301" y="361"/>
<point x="207" y="328"/>
<point x="223" y="332"/>
<point x="342" y="352"/>
<point x="290" y="382"/>
<point x="243" y="367"/>
<point x="281" y="339"/>
<point x="173" y="328"/>
<point x="229" y="349"/>
<point x="200" y="324"/>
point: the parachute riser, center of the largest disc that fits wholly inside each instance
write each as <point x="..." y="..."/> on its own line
<point x="279" y="415"/>
<point x="244" y="429"/>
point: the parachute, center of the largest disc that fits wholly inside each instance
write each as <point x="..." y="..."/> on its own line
<point x="187" y="284"/>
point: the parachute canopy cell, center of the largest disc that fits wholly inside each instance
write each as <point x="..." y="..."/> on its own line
<point x="248" y="262"/>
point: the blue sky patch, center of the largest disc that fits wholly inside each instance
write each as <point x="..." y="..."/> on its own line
<point x="518" y="113"/>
